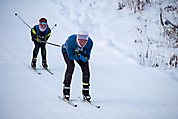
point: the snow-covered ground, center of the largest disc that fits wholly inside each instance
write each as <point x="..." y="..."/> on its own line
<point x="123" y="88"/>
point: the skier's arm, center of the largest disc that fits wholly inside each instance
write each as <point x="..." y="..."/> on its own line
<point x="89" y="48"/>
<point x="33" y="34"/>
<point x="48" y="35"/>
<point x="70" y="51"/>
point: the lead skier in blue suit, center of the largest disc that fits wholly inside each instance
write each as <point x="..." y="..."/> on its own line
<point x="77" y="47"/>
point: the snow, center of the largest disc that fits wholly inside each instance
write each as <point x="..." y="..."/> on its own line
<point x="119" y="84"/>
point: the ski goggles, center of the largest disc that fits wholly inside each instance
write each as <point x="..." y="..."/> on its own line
<point x="43" y="23"/>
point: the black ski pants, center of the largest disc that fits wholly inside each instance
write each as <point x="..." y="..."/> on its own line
<point x="70" y="69"/>
<point x="36" y="50"/>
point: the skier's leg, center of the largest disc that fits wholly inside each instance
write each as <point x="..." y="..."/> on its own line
<point x="86" y="78"/>
<point x="68" y="75"/>
<point x="43" y="54"/>
<point x="35" y="54"/>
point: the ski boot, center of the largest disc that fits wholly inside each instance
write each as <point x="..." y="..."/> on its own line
<point x="44" y="64"/>
<point x="85" y="92"/>
<point x="66" y="92"/>
<point x="33" y="64"/>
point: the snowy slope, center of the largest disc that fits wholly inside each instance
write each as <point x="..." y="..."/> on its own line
<point x="123" y="88"/>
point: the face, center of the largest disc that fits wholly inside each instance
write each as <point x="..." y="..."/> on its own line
<point x="82" y="39"/>
<point x="82" y="42"/>
<point x="43" y="25"/>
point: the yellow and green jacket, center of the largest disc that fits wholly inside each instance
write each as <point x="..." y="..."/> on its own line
<point x="36" y="33"/>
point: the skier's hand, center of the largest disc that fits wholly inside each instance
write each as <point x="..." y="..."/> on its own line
<point x="38" y="40"/>
<point x="78" y="54"/>
<point x="76" y="51"/>
<point x="84" y="59"/>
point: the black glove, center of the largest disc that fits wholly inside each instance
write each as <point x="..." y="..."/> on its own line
<point x="78" y="52"/>
<point x="82" y="53"/>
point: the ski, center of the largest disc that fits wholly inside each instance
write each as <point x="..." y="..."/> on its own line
<point x="68" y="101"/>
<point x="35" y="70"/>
<point x="89" y="102"/>
<point x="46" y="69"/>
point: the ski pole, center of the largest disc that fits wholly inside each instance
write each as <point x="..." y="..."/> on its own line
<point x="53" y="26"/>
<point x="50" y="43"/>
<point x="168" y="22"/>
<point x="22" y="20"/>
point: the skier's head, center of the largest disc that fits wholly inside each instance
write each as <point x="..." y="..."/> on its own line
<point x="82" y="38"/>
<point x="43" y="24"/>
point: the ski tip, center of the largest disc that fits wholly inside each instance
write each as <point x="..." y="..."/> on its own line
<point x="35" y="70"/>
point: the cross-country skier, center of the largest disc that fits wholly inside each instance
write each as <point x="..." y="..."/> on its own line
<point x="40" y="32"/>
<point x="77" y="47"/>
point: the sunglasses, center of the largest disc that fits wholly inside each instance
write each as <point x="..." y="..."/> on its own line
<point x="43" y="23"/>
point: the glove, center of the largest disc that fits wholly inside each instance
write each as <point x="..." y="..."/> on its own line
<point x="78" y="51"/>
<point x="38" y="40"/>
<point x="84" y="59"/>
